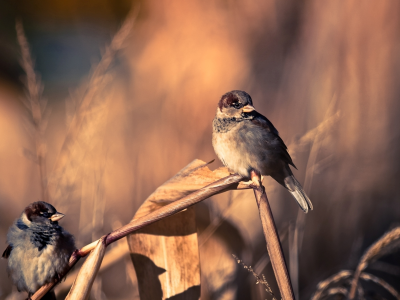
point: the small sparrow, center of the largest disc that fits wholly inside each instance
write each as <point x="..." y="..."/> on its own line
<point x="246" y="141"/>
<point x="38" y="248"/>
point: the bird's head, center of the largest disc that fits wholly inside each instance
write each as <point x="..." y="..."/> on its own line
<point x="40" y="212"/>
<point x="234" y="104"/>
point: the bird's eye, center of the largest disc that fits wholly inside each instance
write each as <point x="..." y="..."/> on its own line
<point x="45" y="214"/>
<point x="236" y="105"/>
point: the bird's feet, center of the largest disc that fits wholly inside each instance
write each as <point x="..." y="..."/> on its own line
<point x="256" y="180"/>
<point x="250" y="183"/>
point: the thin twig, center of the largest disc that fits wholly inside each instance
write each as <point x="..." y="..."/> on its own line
<point x="224" y="184"/>
<point x="262" y="280"/>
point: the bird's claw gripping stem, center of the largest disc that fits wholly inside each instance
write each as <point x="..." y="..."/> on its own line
<point x="256" y="179"/>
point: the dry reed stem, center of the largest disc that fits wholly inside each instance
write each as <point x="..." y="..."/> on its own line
<point x="322" y="286"/>
<point x="262" y="280"/>
<point x="83" y="283"/>
<point x="96" y="82"/>
<point x="228" y="183"/>
<point x="384" y="245"/>
<point x="36" y="106"/>
<point x="260" y="265"/>
<point x="271" y="237"/>
<point x="381" y="282"/>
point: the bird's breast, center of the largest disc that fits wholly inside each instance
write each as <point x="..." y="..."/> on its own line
<point x="231" y="151"/>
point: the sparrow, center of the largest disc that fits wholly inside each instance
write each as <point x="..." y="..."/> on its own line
<point x="38" y="248"/>
<point x="246" y="141"/>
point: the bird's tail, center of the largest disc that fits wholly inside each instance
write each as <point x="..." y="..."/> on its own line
<point x="298" y="193"/>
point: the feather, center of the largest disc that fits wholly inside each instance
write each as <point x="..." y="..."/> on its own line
<point x="298" y="193"/>
<point x="7" y="252"/>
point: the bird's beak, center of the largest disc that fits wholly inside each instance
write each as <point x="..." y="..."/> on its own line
<point x="248" y="108"/>
<point x="57" y="216"/>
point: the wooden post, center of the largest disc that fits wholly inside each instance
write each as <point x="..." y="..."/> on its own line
<point x="273" y="244"/>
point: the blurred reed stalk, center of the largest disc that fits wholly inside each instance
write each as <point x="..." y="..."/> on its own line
<point x="296" y="232"/>
<point x="384" y="245"/>
<point x="97" y="81"/>
<point x="387" y="244"/>
<point x="274" y="246"/>
<point x="225" y="184"/>
<point x="36" y="106"/>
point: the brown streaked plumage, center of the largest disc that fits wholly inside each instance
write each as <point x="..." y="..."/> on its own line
<point x="244" y="140"/>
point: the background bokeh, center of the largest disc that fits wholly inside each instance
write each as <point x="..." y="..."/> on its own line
<point x="305" y="63"/>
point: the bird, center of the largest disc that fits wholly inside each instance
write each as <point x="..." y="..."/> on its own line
<point x="246" y="141"/>
<point x="38" y="248"/>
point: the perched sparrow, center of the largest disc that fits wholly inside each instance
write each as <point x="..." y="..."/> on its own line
<point x="38" y="248"/>
<point x="246" y="141"/>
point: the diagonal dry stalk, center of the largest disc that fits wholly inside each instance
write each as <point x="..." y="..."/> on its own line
<point x="227" y="183"/>
<point x="36" y="105"/>
<point x="272" y="238"/>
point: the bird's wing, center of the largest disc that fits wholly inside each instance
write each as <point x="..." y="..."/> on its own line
<point x="260" y="121"/>
<point x="7" y="252"/>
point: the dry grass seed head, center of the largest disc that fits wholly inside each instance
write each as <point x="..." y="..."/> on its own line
<point x="262" y="280"/>
<point x="387" y="244"/>
<point x="323" y="285"/>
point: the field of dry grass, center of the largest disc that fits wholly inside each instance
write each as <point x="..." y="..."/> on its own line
<point x="111" y="105"/>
